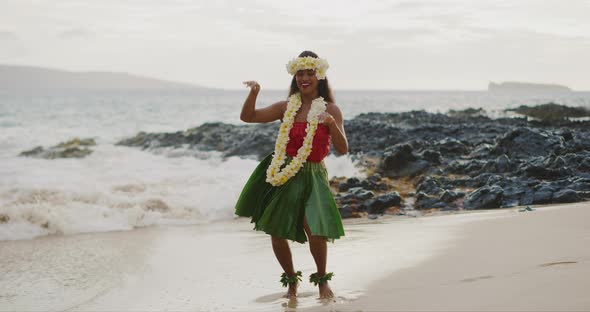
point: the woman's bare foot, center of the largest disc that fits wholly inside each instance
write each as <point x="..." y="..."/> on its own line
<point x="325" y="291"/>
<point x="292" y="282"/>
<point x="292" y="291"/>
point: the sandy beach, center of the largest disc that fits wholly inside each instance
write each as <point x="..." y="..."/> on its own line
<point x="516" y="261"/>
<point x="483" y="260"/>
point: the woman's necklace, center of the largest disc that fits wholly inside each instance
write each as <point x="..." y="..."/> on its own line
<point x="274" y="174"/>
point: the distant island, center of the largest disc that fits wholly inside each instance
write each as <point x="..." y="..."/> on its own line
<point x="30" y="79"/>
<point x="526" y="87"/>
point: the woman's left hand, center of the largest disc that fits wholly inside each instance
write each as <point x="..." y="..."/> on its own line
<point x="326" y="119"/>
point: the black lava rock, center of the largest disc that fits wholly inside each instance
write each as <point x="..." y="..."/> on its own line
<point x="484" y="198"/>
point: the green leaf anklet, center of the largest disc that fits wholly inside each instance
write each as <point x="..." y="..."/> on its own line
<point x="320" y="280"/>
<point x="290" y="280"/>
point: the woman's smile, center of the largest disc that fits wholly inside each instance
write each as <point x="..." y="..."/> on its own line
<point x="306" y="81"/>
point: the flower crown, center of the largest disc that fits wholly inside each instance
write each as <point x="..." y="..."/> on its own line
<point x="308" y="62"/>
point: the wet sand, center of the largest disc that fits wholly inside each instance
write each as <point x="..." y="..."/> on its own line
<point x="484" y="260"/>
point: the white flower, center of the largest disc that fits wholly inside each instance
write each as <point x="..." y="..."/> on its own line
<point x="308" y="62"/>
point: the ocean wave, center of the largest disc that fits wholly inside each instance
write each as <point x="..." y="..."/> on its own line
<point x="36" y="212"/>
<point x="119" y="188"/>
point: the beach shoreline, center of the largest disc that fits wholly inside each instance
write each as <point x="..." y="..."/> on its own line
<point x="193" y="267"/>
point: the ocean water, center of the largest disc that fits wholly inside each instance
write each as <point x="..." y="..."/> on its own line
<point x="121" y="188"/>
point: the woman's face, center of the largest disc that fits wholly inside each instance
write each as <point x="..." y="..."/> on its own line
<point x="306" y="80"/>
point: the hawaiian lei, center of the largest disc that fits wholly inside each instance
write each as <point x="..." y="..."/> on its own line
<point x="274" y="174"/>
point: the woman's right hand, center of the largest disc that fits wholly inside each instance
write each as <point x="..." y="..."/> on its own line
<point x="253" y="85"/>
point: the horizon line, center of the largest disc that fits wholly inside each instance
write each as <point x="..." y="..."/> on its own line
<point x="196" y="85"/>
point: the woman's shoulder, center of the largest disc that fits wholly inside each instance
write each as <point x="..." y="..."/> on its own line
<point x="332" y="108"/>
<point x="331" y="104"/>
<point x="282" y="105"/>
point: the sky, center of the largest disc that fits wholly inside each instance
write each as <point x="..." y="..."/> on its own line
<point x="390" y="45"/>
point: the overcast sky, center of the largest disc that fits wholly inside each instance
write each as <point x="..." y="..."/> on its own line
<point x="369" y="44"/>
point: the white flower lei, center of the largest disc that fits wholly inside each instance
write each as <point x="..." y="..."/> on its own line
<point x="308" y="62"/>
<point x="274" y="174"/>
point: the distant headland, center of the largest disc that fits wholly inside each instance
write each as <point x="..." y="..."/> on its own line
<point x="31" y="79"/>
<point x="526" y="87"/>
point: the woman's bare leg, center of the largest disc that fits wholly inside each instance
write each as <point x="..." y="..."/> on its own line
<point x="319" y="250"/>
<point x="280" y="246"/>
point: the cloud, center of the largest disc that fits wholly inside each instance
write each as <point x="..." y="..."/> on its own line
<point x="420" y="43"/>
<point x="10" y="46"/>
<point x="8" y="36"/>
<point x="75" y="33"/>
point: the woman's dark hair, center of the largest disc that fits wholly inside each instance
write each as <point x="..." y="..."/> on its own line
<point x="324" y="89"/>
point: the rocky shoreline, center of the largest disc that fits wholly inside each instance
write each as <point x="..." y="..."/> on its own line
<point x="465" y="161"/>
<point x="74" y="148"/>
<point x="420" y="161"/>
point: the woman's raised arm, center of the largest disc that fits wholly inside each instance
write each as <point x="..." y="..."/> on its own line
<point x="252" y="115"/>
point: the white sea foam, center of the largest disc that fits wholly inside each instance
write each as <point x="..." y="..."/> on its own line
<point x="119" y="188"/>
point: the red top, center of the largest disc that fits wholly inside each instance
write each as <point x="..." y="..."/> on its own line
<point x="320" y="146"/>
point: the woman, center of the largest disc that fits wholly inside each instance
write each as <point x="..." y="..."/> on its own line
<point x="288" y="195"/>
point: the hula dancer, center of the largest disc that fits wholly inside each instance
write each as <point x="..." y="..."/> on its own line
<point x="288" y="194"/>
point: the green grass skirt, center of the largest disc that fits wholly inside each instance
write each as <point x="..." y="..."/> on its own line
<point x="279" y="211"/>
